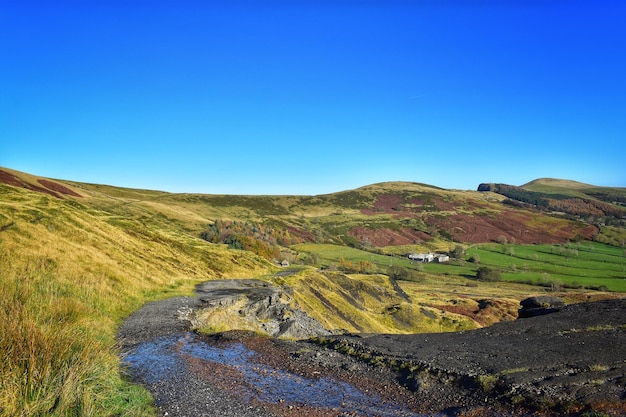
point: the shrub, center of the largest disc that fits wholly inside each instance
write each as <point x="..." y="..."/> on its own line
<point x="487" y="274"/>
<point x="402" y="273"/>
<point x="458" y="252"/>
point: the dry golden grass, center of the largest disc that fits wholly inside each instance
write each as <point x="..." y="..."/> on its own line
<point x="367" y="303"/>
<point x="69" y="274"/>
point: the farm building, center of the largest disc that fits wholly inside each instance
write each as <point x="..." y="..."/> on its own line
<point x="429" y="257"/>
<point x="422" y="257"/>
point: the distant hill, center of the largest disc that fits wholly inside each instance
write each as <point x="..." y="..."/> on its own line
<point x="382" y="215"/>
<point x="601" y="206"/>
<point x="612" y="195"/>
<point x="542" y="184"/>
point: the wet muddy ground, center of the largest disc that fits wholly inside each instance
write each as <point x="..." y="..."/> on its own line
<point x="570" y="362"/>
<point x="250" y="371"/>
<point x="243" y="374"/>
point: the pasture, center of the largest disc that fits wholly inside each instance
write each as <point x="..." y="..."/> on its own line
<point x="584" y="265"/>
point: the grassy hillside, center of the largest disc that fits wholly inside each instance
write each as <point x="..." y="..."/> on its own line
<point x="573" y="272"/>
<point x="557" y="186"/>
<point x="580" y="265"/>
<point x="604" y="207"/>
<point x="75" y="259"/>
<point x="379" y="215"/>
<point x="369" y="303"/>
<point x="575" y="189"/>
<point x="70" y="273"/>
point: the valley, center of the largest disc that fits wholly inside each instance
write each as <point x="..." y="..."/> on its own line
<point x="77" y="259"/>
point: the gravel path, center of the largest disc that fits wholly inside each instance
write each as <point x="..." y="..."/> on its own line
<point x="149" y="338"/>
<point x="567" y="362"/>
<point x="239" y="374"/>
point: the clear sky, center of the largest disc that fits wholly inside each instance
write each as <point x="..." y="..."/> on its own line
<point x="313" y="97"/>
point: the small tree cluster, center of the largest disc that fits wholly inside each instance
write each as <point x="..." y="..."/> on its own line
<point x="402" y="273"/>
<point x="220" y="230"/>
<point x="312" y="259"/>
<point x="361" y="267"/>
<point x="458" y="252"/>
<point x="260" y="239"/>
<point x="474" y="259"/>
<point x="485" y="273"/>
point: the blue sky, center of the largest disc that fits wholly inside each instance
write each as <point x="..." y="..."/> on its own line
<point x="312" y="97"/>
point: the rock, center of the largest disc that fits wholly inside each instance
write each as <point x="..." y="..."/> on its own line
<point x="486" y="187"/>
<point x="266" y="305"/>
<point x="301" y="326"/>
<point x="540" y="305"/>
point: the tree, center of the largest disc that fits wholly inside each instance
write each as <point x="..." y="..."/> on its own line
<point x="402" y="273"/>
<point x="312" y="259"/>
<point x="474" y="259"/>
<point x="366" y="267"/>
<point x="233" y="242"/>
<point x="320" y="236"/>
<point x="485" y="273"/>
<point x="458" y="252"/>
<point x="346" y="266"/>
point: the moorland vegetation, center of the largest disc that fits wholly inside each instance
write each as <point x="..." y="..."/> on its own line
<point x="76" y="259"/>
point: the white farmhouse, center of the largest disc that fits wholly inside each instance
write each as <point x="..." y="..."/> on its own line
<point x="429" y="257"/>
<point x="422" y="257"/>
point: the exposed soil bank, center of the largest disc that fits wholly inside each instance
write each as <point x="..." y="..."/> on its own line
<point x="567" y="362"/>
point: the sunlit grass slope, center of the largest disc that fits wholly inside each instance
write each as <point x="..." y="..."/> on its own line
<point x="448" y="297"/>
<point x="69" y="273"/>
<point x="367" y="303"/>
<point x="406" y="211"/>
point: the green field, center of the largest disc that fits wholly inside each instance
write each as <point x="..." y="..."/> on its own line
<point x="577" y="265"/>
<point x="586" y="265"/>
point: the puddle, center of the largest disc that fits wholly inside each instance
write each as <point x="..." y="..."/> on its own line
<point x="156" y="360"/>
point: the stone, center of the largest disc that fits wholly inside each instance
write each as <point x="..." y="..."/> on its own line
<point x="540" y="305"/>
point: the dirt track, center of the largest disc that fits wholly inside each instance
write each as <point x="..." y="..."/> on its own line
<point x="149" y="340"/>
<point x="563" y="363"/>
